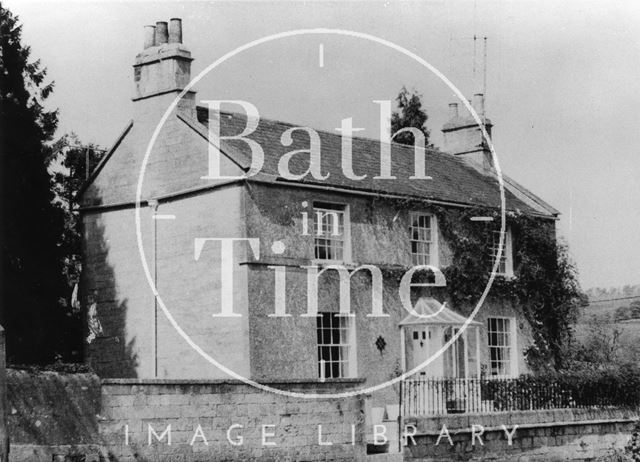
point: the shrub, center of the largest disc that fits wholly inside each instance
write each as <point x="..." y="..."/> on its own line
<point x="617" y="386"/>
<point x="633" y="447"/>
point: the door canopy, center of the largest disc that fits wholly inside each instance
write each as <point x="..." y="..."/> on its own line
<point x="431" y="311"/>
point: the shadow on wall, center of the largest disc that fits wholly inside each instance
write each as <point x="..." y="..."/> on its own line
<point x="107" y="350"/>
<point x="45" y="408"/>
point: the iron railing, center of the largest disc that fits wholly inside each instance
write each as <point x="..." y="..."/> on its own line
<point x="437" y="396"/>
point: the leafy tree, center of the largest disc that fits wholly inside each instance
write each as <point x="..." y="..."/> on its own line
<point x="550" y="291"/>
<point x="68" y="166"/>
<point x="634" y="309"/>
<point x="410" y="114"/>
<point x="31" y="221"/>
<point x="601" y="344"/>
<point x="622" y="313"/>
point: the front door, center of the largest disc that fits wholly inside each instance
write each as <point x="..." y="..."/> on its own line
<point x="419" y="346"/>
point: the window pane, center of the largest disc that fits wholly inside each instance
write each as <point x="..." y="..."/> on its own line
<point x="329" y="232"/>
<point x="506" y="253"/>
<point x="335" y="370"/>
<point x="421" y="238"/>
<point x="499" y="340"/>
<point x="333" y="344"/>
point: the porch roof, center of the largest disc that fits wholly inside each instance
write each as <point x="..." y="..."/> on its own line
<point x="431" y="312"/>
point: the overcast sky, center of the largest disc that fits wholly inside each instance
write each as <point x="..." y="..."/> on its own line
<point x="563" y="86"/>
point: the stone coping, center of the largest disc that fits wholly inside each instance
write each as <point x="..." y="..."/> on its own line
<point x="571" y="423"/>
<point x="428" y="425"/>
<point x="293" y="382"/>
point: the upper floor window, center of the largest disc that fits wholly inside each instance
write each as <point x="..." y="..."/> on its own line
<point x="336" y="346"/>
<point x="423" y="232"/>
<point x="502" y="360"/>
<point x="331" y="232"/>
<point x="505" y="264"/>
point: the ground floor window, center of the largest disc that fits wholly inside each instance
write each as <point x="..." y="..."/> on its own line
<point x="501" y="346"/>
<point x="336" y="346"/>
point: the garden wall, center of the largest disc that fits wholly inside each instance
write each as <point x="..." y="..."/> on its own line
<point x="74" y="417"/>
<point x="560" y="434"/>
<point x="238" y="421"/>
<point x="52" y="414"/>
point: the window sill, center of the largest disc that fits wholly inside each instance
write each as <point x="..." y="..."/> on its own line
<point x="343" y="380"/>
<point x="325" y="263"/>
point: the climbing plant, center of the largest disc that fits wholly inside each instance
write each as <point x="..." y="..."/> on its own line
<point x="544" y="287"/>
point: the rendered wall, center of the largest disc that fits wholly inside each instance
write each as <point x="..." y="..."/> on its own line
<point x="138" y="340"/>
<point x="286" y="347"/>
<point x="113" y="282"/>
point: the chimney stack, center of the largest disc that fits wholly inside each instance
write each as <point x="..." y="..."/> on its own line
<point x="478" y="104"/>
<point x="162" y="33"/>
<point x="463" y="137"/>
<point x="453" y="111"/>
<point x="162" y="70"/>
<point x="149" y="36"/>
<point x="175" y="30"/>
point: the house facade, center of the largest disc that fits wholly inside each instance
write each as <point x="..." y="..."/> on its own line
<point x="309" y="236"/>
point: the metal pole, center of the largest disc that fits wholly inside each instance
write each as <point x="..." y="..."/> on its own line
<point x="153" y="204"/>
<point x="400" y="417"/>
<point x="484" y="81"/>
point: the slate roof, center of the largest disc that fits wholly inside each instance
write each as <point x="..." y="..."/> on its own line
<point x="180" y="168"/>
<point x="454" y="180"/>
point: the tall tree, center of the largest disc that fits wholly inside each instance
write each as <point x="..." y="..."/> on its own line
<point x="31" y="260"/>
<point x="410" y="113"/>
<point x="70" y="163"/>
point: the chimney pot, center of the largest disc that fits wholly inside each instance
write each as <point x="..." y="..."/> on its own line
<point x="162" y="34"/>
<point x="453" y="111"/>
<point x="175" y="30"/>
<point x="478" y="104"/>
<point x="149" y="36"/>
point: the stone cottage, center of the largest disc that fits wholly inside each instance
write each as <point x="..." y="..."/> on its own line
<point x="301" y="226"/>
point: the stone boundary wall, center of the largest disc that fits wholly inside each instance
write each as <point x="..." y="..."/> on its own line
<point x="51" y="413"/>
<point x="77" y="417"/>
<point x="560" y="434"/>
<point x="199" y="410"/>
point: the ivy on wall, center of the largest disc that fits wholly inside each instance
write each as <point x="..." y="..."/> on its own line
<point x="544" y="287"/>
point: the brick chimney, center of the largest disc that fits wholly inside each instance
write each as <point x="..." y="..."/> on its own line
<point x="161" y="71"/>
<point x="463" y="137"/>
